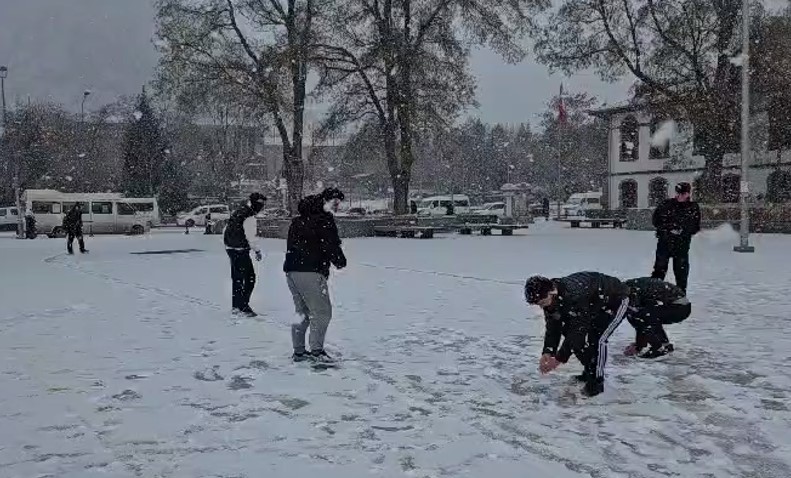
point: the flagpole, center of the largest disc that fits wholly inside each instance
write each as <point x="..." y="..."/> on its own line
<point x="560" y="147"/>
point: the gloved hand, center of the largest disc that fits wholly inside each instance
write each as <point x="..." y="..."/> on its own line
<point x="258" y="256"/>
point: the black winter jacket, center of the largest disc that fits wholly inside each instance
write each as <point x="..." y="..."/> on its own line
<point x="72" y="222"/>
<point x="585" y="300"/>
<point x="234" y="237"/>
<point x="313" y="241"/>
<point x="674" y="219"/>
<point x="650" y="292"/>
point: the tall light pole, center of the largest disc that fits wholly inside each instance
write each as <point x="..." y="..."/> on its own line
<point x="20" y="225"/>
<point x="744" y="189"/>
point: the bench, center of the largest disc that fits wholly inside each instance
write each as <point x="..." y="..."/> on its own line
<point x="423" y="232"/>
<point x="486" y="229"/>
<point x="615" y="223"/>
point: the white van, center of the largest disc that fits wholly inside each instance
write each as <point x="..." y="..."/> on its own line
<point x="9" y="217"/>
<point x="438" y="205"/>
<point x="197" y="217"/>
<point x="580" y="203"/>
<point x="103" y="213"/>
<point x="491" y="209"/>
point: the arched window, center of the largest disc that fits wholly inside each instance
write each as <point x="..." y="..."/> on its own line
<point x="630" y="139"/>
<point x="657" y="191"/>
<point x="730" y="188"/>
<point x="660" y="139"/>
<point x="628" y="193"/>
<point x="778" y="186"/>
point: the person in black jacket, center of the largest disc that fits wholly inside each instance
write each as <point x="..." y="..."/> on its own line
<point x="313" y="245"/>
<point x="72" y="223"/>
<point x="239" y="238"/>
<point x="586" y="308"/>
<point x="652" y="304"/>
<point x="676" y="220"/>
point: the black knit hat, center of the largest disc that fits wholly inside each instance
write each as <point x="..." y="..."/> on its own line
<point x="332" y="193"/>
<point x="257" y="201"/>
<point x="683" y="188"/>
<point x="537" y="288"/>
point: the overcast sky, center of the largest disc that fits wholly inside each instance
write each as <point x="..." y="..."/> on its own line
<point x="56" y="49"/>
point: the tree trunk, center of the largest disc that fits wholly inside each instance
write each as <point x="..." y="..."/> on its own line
<point x="401" y="193"/>
<point x="294" y="172"/>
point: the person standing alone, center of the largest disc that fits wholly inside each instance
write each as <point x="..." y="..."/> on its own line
<point x="239" y="238"/>
<point x="676" y="220"/>
<point x="72" y="223"/>
<point x="313" y="244"/>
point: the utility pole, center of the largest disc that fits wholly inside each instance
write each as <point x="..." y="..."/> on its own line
<point x="20" y="225"/>
<point x="744" y="189"/>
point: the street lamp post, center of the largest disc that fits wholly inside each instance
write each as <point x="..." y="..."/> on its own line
<point x="20" y="225"/>
<point x="85" y="96"/>
<point x="744" y="189"/>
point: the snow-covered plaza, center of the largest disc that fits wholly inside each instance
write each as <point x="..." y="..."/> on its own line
<point x="122" y="364"/>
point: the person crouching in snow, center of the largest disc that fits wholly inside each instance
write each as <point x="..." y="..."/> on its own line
<point x="652" y="304"/>
<point x="586" y="308"/>
<point x="313" y="244"/>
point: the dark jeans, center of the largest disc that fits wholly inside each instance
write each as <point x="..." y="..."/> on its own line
<point x="243" y="277"/>
<point x="648" y="322"/>
<point x="70" y="241"/>
<point x="678" y="250"/>
<point x="594" y="356"/>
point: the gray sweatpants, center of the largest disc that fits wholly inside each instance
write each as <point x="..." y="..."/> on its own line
<point x="312" y="302"/>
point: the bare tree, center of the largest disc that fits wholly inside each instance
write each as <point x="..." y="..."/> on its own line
<point x="405" y="62"/>
<point x="259" y="50"/>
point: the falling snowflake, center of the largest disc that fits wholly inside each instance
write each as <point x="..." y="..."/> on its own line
<point x="138" y="115"/>
<point x="69" y="178"/>
<point x="81" y="155"/>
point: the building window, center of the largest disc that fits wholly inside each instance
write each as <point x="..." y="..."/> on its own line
<point x="730" y="188"/>
<point x="630" y="139"/>
<point x="660" y="140"/>
<point x="778" y="186"/>
<point x="628" y="193"/>
<point x="657" y="191"/>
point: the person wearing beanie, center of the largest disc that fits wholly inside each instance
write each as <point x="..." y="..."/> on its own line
<point x="676" y="220"/>
<point x="654" y="303"/>
<point x="313" y="245"/>
<point x="239" y="239"/>
<point x="583" y="309"/>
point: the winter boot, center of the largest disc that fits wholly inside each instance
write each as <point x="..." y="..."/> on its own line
<point x="656" y="352"/>
<point x="593" y="387"/>
<point x="248" y="312"/>
<point x="581" y="378"/>
<point x="300" y="356"/>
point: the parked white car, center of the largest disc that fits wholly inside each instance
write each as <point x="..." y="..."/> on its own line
<point x="491" y="209"/>
<point x="438" y="205"/>
<point x="579" y="204"/>
<point x="197" y="217"/>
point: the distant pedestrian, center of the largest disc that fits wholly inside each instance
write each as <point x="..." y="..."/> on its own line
<point x="676" y="220"/>
<point x="545" y="208"/>
<point x="208" y="226"/>
<point x="30" y="224"/>
<point x="239" y="239"/>
<point x="72" y="223"/>
<point x="313" y="245"/>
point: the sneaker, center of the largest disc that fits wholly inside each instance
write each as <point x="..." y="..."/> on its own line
<point x="248" y="312"/>
<point x="85" y="251"/>
<point x="300" y="356"/>
<point x="320" y="356"/>
<point x="581" y="378"/>
<point x="593" y="388"/>
<point x="656" y="352"/>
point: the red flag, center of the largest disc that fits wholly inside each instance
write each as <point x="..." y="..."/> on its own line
<point x="562" y="115"/>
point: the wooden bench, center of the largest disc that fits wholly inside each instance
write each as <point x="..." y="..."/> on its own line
<point x="486" y="229"/>
<point x="615" y="223"/>
<point x="423" y="232"/>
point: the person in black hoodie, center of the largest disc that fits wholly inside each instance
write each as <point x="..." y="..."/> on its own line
<point x="313" y="245"/>
<point x="676" y="220"/>
<point x="652" y="304"/>
<point x="239" y="238"/>
<point x="72" y="223"/>
<point x="585" y="308"/>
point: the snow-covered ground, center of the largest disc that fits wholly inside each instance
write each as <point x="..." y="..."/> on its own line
<point x="119" y="364"/>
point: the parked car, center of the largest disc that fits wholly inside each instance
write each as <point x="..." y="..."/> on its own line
<point x="439" y="205"/>
<point x="491" y="209"/>
<point x="197" y="217"/>
<point x="579" y="204"/>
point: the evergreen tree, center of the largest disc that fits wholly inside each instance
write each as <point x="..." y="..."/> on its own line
<point x="144" y="152"/>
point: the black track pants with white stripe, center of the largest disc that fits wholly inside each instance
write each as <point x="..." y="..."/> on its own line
<point x="604" y="326"/>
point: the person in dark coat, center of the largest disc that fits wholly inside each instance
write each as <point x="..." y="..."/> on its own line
<point x="313" y="245"/>
<point x="676" y="220"/>
<point x="654" y="303"/>
<point x="584" y="309"/>
<point x="239" y="238"/>
<point x="72" y="223"/>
